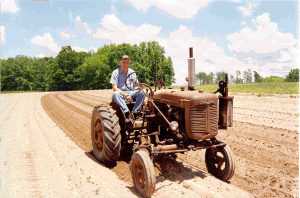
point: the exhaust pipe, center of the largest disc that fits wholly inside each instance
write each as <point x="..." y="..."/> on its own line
<point x="191" y="71"/>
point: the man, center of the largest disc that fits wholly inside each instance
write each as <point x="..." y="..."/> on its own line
<point x="121" y="92"/>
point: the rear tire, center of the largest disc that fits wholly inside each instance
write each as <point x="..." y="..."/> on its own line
<point x="220" y="162"/>
<point x="143" y="174"/>
<point x="105" y="134"/>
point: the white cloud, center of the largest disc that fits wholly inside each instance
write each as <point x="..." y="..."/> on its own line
<point x="81" y="49"/>
<point x="2" y="34"/>
<point x="47" y="43"/>
<point x="178" y="8"/>
<point x="246" y="11"/>
<point x="208" y="56"/>
<point x="117" y="32"/>
<point x="9" y="6"/>
<point x="66" y="35"/>
<point x="264" y="47"/>
<point x="264" y="40"/>
<point x="40" y="55"/>
<point x="82" y="30"/>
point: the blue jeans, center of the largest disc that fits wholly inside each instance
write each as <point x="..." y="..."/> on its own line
<point x="120" y="99"/>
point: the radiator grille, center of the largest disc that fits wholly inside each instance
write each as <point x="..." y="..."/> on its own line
<point x="199" y="118"/>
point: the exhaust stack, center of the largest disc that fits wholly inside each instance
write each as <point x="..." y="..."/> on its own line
<point x="191" y="71"/>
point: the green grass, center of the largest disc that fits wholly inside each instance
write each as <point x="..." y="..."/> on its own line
<point x="260" y="88"/>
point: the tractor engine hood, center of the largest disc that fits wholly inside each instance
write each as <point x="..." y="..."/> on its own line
<point x="179" y="98"/>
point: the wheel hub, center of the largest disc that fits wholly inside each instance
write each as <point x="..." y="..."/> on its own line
<point x="139" y="175"/>
<point x="98" y="134"/>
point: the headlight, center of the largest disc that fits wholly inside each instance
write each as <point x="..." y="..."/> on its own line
<point x="174" y="125"/>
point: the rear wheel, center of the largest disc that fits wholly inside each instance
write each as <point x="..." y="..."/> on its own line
<point x="105" y="134"/>
<point x="143" y="174"/>
<point x="220" y="162"/>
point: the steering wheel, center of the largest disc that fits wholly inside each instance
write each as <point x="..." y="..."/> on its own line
<point x="130" y="83"/>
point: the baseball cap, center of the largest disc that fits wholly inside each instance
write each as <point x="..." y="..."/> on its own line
<point x="125" y="57"/>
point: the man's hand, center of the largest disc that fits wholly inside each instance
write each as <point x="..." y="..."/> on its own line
<point x="138" y="88"/>
<point x="128" y="98"/>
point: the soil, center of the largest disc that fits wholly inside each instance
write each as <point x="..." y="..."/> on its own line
<point x="47" y="152"/>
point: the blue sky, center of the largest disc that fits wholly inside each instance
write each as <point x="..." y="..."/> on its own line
<point x="226" y="35"/>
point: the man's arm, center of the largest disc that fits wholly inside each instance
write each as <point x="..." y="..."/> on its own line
<point x="115" y="88"/>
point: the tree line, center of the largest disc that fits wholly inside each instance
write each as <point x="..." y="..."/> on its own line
<point x="245" y="77"/>
<point x="71" y="70"/>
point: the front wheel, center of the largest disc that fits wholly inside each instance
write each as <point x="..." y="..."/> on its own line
<point x="220" y="162"/>
<point x="105" y="134"/>
<point x="143" y="174"/>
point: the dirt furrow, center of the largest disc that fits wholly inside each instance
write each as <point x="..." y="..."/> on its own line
<point x="251" y="175"/>
<point x="255" y="108"/>
<point x="256" y="118"/>
<point x="87" y="101"/>
<point x="72" y="126"/>
<point x="80" y="132"/>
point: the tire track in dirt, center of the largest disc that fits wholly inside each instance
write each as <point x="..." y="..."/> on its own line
<point x="267" y="169"/>
<point x="28" y="167"/>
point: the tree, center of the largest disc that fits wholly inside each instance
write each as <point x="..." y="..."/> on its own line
<point x="238" y="80"/>
<point x="96" y="71"/>
<point x="72" y="70"/>
<point x="24" y="73"/>
<point x="62" y="71"/>
<point x="220" y="76"/>
<point x="247" y="76"/>
<point x="210" y="78"/>
<point x="231" y="79"/>
<point x="273" y="79"/>
<point x="201" y="76"/>
<point x="257" y="77"/>
<point x="293" y="76"/>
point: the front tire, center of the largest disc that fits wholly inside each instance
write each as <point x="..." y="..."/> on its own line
<point x="220" y="162"/>
<point x="105" y="134"/>
<point x="143" y="174"/>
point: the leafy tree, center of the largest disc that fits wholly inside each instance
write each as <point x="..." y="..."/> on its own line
<point x="202" y="77"/>
<point x="72" y="70"/>
<point x="238" y="79"/>
<point x="293" y="76"/>
<point x="210" y="78"/>
<point x="23" y="73"/>
<point x="247" y="76"/>
<point x="61" y="71"/>
<point x="96" y="71"/>
<point x="220" y="76"/>
<point x="231" y="79"/>
<point x="273" y="79"/>
<point x="257" y="77"/>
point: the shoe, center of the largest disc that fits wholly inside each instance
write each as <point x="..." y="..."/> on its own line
<point x="129" y="118"/>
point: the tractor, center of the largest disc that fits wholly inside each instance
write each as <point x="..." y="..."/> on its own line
<point x="171" y="121"/>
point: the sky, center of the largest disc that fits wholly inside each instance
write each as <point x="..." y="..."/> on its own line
<point x="225" y="35"/>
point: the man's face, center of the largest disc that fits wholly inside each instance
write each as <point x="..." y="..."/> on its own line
<point x="125" y="63"/>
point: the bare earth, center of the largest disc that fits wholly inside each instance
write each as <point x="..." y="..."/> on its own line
<point x="45" y="151"/>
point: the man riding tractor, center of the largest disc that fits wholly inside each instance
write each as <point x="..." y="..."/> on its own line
<point x="123" y="93"/>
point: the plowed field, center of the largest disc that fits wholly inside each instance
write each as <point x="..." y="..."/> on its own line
<point x="264" y="140"/>
<point x="45" y="151"/>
